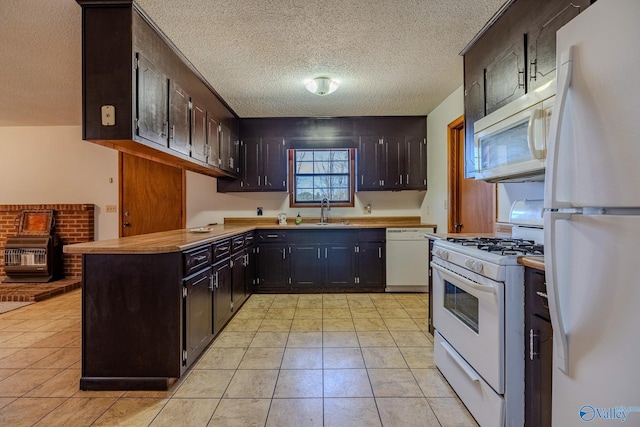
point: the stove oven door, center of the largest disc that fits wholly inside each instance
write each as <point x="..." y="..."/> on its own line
<point x="469" y="314"/>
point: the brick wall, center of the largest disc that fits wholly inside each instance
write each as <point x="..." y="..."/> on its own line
<point x="74" y="223"/>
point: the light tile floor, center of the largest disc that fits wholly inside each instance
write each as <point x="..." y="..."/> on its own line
<point x="284" y="360"/>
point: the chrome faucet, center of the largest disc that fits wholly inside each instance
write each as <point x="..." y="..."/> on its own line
<point x="325" y="207"/>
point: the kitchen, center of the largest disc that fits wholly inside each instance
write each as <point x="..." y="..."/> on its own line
<point x="92" y="158"/>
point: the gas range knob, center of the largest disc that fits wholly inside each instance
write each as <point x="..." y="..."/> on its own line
<point x="442" y="254"/>
<point x="475" y="266"/>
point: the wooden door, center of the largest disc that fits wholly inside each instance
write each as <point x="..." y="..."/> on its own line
<point x="472" y="204"/>
<point x="151" y="196"/>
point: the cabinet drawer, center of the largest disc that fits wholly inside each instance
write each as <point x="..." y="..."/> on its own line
<point x="196" y="259"/>
<point x="199" y="278"/>
<point x="237" y="244"/>
<point x="271" y="236"/>
<point x="248" y="239"/>
<point x="221" y="250"/>
<point x="372" y="235"/>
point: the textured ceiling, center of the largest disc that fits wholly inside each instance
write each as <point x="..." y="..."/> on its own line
<point x="393" y="57"/>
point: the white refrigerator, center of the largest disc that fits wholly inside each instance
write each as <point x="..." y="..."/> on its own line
<point x="592" y="218"/>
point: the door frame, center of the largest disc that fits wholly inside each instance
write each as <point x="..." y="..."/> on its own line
<point x="453" y="159"/>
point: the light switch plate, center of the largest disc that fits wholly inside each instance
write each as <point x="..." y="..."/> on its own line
<point x="112" y="208"/>
<point x="108" y="115"/>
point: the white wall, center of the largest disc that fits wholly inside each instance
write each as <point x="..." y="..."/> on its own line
<point x="434" y="208"/>
<point x="54" y="165"/>
<point x="205" y="205"/>
<point x="510" y="192"/>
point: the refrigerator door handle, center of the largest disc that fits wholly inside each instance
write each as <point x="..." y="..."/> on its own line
<point x="563" y="82"/>
<point x="531" y="134"/>
<point x="553" y="294"/>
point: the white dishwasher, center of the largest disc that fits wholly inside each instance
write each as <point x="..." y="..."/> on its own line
<point x="407" y="260"/>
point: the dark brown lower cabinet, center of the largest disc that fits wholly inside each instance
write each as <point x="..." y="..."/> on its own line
<point x="272" y="268"/>
<point x="146" y="318"/>
<point x="327" y="260"/>
<point x="539" y="351"/>
<point x="371" y="257"/>
<point x="132" y="317"/>
<point x="198" y="314"/>
<point x="222" y="294"/>
<point x="238" y="265"/>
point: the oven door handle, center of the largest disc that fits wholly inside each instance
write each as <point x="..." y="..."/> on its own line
<point x="482" y="288"/>
<point x="473" y="376"/>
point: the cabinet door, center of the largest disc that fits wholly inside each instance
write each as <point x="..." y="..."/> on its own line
<point x="474" y="105"/>
<point x="393" y="161"/>
<point x="369" y="175"/>
<point x="305" y="268"/>
<point x="339" y="265"/>
<point x="179" y="119"/>
<point x="197" y="314"/>
<point x="238" y="279"/>
<point x="272" y="269"/>
<point x="251" y="167"/>
<point x="221" y="294"/>
<point x="538" y="373"/>
<point x="505" y="76"/>
<point x="199" y="133"/>
<point x="227" y="160"/>
<point x="415" y="160"/>
<point x="274" y="164"/>
<point x="250" y="271"/>
<point x="213" y="145"/>
<point x="371" y="265"/>
<point x="541" y="39"/>
<point x="152" y="102"/>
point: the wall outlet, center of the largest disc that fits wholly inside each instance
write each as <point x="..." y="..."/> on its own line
<point x="259" y="211"/>
<point x="112" y="208"/>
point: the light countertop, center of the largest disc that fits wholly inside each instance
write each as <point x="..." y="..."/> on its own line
<point x="184" y="239"/>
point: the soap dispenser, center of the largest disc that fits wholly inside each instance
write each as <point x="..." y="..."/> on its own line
<point x="298" y="219"/>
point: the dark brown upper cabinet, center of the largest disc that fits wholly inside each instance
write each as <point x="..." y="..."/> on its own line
<point x="179" y="119"/>
<point x="512" y="55"/>
<point x="505" y="78"/>
<point x="262" y="165"/>
<point x="541" y="40"/>
<point x="391" y="163"/>
<point x="151" y="102"/>
<point x="199" y="147"/>
<point x="163" y="108"/>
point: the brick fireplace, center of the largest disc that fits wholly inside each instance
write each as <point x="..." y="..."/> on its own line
<point x="74" y="223"/>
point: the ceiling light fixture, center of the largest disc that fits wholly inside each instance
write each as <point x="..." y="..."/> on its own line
<point x="322" y="85"/>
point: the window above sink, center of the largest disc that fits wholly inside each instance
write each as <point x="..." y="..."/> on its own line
<point x="316" y="174"/>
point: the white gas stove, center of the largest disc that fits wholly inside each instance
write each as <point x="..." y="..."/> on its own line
<point x="478" y="314"/>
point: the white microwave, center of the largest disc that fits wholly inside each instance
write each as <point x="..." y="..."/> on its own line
<point x="510" y="143"/>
